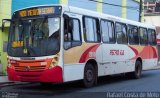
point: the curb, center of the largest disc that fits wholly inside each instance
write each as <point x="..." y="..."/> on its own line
<point x="4" y="84"/>
<point x="4" y="80"/>
<point x="156" y="68"/>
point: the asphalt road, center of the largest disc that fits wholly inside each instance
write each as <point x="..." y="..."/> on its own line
<point x="117" y="86"/>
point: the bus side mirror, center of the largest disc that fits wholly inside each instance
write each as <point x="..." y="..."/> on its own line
<point x="3" y="23"/>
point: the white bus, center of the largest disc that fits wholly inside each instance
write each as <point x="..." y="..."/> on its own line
<point x="57" y="43"/>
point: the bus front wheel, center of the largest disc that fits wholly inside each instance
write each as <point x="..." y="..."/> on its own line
<point x="89" y="75"/>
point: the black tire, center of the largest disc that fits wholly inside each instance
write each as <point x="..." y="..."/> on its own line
<point x="138" y="70"/>
<point x="90" y="76"/>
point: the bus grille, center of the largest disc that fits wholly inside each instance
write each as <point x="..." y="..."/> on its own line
<point x="29" y="68"/>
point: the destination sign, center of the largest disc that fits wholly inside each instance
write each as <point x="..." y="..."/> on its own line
<point x="39" y="11"/>
<point x="16" y="44"/>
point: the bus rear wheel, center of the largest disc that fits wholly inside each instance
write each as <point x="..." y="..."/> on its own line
<point x="90" y="75"/>
<point x="138" y="70"/>
<point x="136" y="74"/>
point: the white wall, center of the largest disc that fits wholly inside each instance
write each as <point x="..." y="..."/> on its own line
<point x="154" y="20"/>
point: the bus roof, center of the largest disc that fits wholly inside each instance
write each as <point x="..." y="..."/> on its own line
<point x="109" y="17"/>
<point x="86" y="12"/>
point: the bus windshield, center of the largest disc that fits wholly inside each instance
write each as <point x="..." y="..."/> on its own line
<point x="34" y="37"/>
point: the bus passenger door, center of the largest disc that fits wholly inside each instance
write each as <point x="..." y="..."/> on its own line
<point x="72" y="44"/>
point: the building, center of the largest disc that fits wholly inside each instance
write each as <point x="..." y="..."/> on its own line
<point x="152" y="16"/>
<point x="152" y="6"/>
<point x="5" y="13"/>
<point x="152" y="13"/>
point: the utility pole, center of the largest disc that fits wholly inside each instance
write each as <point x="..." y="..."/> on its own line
<point x="65" y="2"/>
<point x="124" y="10"/>
<point x="141" y="11"/>
<point x="99" y="6"/>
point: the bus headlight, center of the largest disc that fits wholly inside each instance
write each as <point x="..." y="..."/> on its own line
<point x="54" y="62"/>
<point x="9" y="62"/>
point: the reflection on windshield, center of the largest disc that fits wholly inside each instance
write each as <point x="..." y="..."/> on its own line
<point x="36" y="37"/>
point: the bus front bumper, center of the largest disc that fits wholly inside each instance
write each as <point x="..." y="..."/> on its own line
<point x="49" y="75"/>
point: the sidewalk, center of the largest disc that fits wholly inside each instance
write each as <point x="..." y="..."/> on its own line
<point x="5" y="82"/>
<point x="4" y="79"/>
<point x="156" y="68"/>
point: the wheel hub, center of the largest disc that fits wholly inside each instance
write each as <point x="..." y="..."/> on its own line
<point x="89" y="75"/>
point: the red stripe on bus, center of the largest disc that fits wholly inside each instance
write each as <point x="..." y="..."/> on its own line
<point x="134" y="50"/>
<point x="148" y="52"/>
<point x="85" y="55"/>
<point x="155" y="55"/>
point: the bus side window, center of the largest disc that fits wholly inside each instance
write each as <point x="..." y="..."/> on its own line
<point x="72" y="33"/>
<point x="151" y="37"/>
<point x="121" y="32"/>
<point x="107" y="29"/>
<point x="143" y="36"/>
<point x="91" y="29"/>
<point x="154" y="41"/>
<point x="133" y="35"/>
